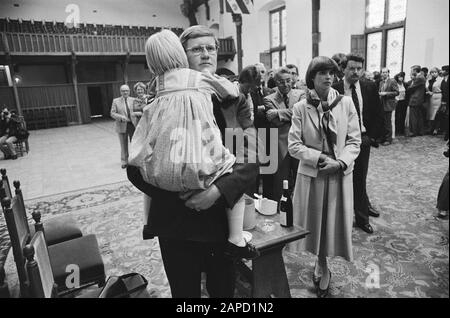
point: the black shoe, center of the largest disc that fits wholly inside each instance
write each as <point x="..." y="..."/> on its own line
<point x="322" y="293"/>
<point x="13" y="157"/>
<point x="386" y="143"/>
<point x="248" y="251"/>
<point x="365" y="227"/>
<point x="374" y="213"/>
<point x="124" y="166"/>
<point x="442" y="214"/>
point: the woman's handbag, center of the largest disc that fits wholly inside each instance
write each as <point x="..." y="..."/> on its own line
<point x="123" y="286"/>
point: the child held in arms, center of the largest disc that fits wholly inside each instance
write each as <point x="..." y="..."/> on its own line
<point x="177" y="145"/>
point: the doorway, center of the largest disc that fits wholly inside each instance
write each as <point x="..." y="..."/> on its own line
<point x="95" y="101"/>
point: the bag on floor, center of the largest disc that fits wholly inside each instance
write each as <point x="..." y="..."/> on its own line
<point x="123" y="286"/>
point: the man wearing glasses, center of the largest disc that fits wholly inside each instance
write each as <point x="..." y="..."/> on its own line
<point x="193" y="230"/>
<point x="278" y="108"/>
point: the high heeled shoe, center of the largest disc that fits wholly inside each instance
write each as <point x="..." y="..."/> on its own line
<point x="316" y="280"/>
<point x="322" y="293"/>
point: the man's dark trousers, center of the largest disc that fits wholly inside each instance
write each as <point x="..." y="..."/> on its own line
<point x="360" y="199"/>
<point x="184" y="262"/>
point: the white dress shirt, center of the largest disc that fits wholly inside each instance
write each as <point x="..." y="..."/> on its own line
<point x="348" y="92"/>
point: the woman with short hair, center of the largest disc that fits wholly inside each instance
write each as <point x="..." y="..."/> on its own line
<point x="434" y="95"/>
<point x="325" y="136"/>
<point x="139" y="103"/>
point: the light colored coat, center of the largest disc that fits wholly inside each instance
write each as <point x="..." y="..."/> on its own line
<point x="435" y="98"/>
<point x="305" y="139"/>
<point x="283" y="121"/>
<point x="119" y="113"/>
<point x="323" y="204"/>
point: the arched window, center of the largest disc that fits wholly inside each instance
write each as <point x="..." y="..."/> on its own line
<point x="385" y="34"/>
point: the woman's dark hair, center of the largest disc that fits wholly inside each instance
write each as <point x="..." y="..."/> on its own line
<point x="320" y="63"/>
<point x="401" y="74"/>
<point x="249" y="75"/>
<point x="351" y="57"/>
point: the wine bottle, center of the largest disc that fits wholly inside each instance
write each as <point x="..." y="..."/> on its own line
<point x="286" y="208"/>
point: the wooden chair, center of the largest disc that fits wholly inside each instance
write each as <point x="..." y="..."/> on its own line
<point x="82" y="251"/>
<point x="58" y="229"/>
<point x="40" y="275"/>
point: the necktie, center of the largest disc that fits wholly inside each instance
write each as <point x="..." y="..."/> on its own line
<point x="329" y="124"/>
<point x="356" y="102"/>
<point x="286" y="101"/>
<point x="128" y="110"/>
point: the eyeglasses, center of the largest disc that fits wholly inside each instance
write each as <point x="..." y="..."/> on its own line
<point x="197" y="50"/>
<point x="284" y="82"/>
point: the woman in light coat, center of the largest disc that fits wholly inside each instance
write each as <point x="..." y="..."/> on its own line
<point x="434" y="92"/>
<point x="325" y="136"/>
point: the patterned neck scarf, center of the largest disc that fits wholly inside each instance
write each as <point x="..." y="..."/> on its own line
<point x="324" y="108"/>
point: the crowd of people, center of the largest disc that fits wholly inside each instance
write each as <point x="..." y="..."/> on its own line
<point x="325" y="126"/>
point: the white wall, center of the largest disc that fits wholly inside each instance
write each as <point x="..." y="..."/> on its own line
<point x="119" y="12"/>
<point x="347" y="18"/>
<point x="427" y="32"/>
<point x="338" y="21"/>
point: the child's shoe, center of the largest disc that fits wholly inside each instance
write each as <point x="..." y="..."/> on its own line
<point x="248" y="251"/>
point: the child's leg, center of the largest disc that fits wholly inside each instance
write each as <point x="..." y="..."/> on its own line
<point x="235" y="218"/>
<point x="147" y="201"/>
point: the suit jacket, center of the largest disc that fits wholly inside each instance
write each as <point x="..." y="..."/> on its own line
<point x="170" y="218"/>
<point x="444" y="89"/>
<point x="306" y="139"/>
<point x="283" y="120"/>
<point x="258" y="100"/>
<point x="415" y="92"/>
<point x="389" y="102"/>
<point x="373" y="116"/>
<point x="119" y="112"/>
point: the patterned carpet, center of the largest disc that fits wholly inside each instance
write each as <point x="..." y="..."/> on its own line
<point x="409" y="249"/>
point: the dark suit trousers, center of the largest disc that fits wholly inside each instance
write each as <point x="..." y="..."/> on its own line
<point x="184" y="262"/>
<point x="360" y="198"/>
<point x="400" y="117"/>
<point x="416" y="120"/>
<point x="387" y="126"/>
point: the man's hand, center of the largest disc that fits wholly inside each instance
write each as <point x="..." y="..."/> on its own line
<point x="271" y="114"/>
<point x="204" y="200"/>
<point x="329" y="166"/>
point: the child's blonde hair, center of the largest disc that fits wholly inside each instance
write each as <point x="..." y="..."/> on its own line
<point x="164" y="52"/>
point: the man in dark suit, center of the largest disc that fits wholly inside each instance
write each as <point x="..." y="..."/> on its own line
<point x="367" y="102"/>
<point x="193" y="230"/>
<point x="261" y="122"/>
<point x="388" y="91"/>
<point x="415" y="95"/>
<point x="279" y="114"/>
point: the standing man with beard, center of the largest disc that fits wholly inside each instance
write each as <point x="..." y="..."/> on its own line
<point x="367" y="102"/>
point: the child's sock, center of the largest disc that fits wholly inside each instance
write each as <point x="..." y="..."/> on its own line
<point x="235" y="223"/>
